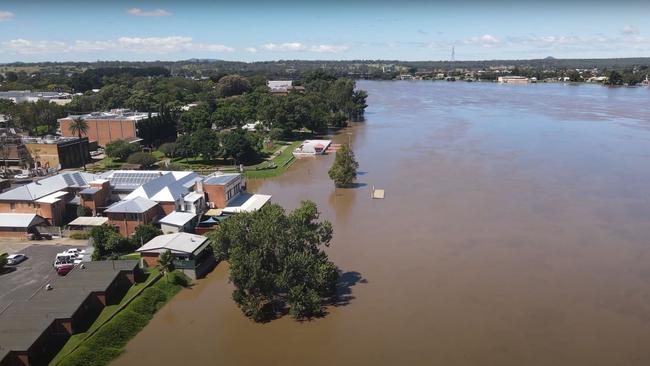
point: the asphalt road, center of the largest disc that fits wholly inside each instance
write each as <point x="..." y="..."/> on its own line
<point x="21" y="281"/>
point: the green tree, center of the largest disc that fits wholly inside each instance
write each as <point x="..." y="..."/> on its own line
<point x="615" y="78"/>
<point x="195" y="119"/>
<point x="79" y="127"/>
<point x="276" y="259"/>
<point x="232" y="85"/>
<point x="144" y="233"/>
<point x="344" y="169"/>
<point x="121" y="149"/>
<point x="170" y="149"/>
<point x="108" y="241"/>
<point x="84" y="211"/>
<point x="143" y="159"/>
<point x="3" y="262"/>
<point x="240" y="146"/>
<point x="166" y="263"/>
<point x="206" y="143"/>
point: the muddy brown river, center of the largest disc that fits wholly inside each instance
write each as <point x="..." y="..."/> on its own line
<point x="515" y="231"/>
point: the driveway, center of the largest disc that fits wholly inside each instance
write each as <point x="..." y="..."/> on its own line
<point x="23" y="280"/>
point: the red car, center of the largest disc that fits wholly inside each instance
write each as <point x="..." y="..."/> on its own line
<point x="64" y="269"/>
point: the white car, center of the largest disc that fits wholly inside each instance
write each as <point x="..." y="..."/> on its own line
<point x="74" y="252"/>
<point x="15" y="259"/>
<point x="21" y="176"/>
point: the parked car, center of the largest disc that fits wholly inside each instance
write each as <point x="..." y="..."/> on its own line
<point x="21" y="176"/>
<point x="64" y="269"/>
<point x="75" y="251"/>
<point x="15" y="259"/>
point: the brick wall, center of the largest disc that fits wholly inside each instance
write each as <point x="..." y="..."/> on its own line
<point x="104" y="130"/>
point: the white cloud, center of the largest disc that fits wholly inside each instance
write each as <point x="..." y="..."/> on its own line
<point x="283" y="47"/>
<point x="251" y="49"/>
<point x="485" y="40"/>
<point x="6" y="15"/>
<point x="299" y="47"/>
<point x="328" y="48"/>
<point x="151" y="13"/>
<point x="630" y="30"/>
<point x="157" y="45"/>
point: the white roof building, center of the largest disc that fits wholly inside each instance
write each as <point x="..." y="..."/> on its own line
<point x="179" y="243"/>
<point x="20" y="220"/>
<point x="246" y="202"/>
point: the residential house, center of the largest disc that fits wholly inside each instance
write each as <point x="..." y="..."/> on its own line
<point x="192" y="253"/>
<point x="178" y="222"/>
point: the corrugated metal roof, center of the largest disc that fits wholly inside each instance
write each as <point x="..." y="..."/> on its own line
<point x="177" y="243"/>
<point x="20" y="220"/>
<point x="89" y="221"/>
<point x="135" y="205"/>
<point x="222" y="179"/>
<point x="47" y="186"/>
<point x="245" y="202"/>
<point x="177" y="218"/>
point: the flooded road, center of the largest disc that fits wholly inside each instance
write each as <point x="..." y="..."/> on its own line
<point x="515" y="231"/>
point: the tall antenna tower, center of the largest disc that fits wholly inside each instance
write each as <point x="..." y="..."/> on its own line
<point x="453" y="53"/>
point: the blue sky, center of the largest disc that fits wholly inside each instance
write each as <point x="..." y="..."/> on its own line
<point x="255" y="30"/>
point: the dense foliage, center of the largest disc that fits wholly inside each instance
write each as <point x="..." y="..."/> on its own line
<point x="144" y="159"/>
<point x="276" y="260"/>
<point x="344" y="169"/>
<point x="144" y="233"/>
<point x="108" y="242"/>
<point x="39" y="118"/>
<point x="121" y="149"/>
<point x="84" y="211"/>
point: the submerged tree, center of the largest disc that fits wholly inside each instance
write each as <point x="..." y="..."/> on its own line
<point x="276" y="259"/>
<point x="344" y="169"/>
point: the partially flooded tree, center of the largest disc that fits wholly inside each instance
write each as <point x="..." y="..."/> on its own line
<point x="344" y="170"/>
<point x="276" y="260"/>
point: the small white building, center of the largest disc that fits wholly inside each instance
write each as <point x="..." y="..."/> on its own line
<point x="246" y="202"/>
<point x="312" y="147"/>
<point x="177" y="222"/>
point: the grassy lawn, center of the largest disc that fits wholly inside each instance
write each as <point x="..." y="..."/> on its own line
<point x="282" y="163"/>
<point x="105" y="164"/>
<point x="130" y="256"/>
<point x="162" y="291"/>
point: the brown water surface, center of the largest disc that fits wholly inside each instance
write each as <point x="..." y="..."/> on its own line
<point x="515" y="231"/>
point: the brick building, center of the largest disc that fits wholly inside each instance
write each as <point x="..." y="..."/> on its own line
<point x="128" y="214"/>
<point x="105" y="127"/>
<point x="59" y="153"/>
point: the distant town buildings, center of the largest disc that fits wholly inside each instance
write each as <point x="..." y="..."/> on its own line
<point x="513" y="80"/>
<point x="105" y="127"/>
<point x="20" y="96"/>
<point x="283" y="87"/>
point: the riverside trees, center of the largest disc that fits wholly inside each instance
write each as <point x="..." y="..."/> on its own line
<point x="276" y="260"/>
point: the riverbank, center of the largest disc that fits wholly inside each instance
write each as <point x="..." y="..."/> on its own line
<point x="117" y="324"/>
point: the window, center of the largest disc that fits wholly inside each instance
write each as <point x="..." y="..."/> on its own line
<point x="12" y="206"/>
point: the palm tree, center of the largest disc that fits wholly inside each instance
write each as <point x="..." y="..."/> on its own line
<point x="79" y="126"/>
<point x="166" y="263"/>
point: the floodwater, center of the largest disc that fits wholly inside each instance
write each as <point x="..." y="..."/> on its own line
<point x="515" y="231"/>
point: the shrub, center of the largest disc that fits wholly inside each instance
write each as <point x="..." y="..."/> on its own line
<point x="121" y="149"/>
<point x="84" y="211"/>
<point x="142" y="158"/>
<point x="79" y="235"/>
<point x="169" y="149"/>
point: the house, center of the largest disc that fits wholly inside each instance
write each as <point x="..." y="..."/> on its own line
<point x="128" y="214"/>
<point x="21" y="96"/>
<point x="18" y="225"/>
<point x="283" y="87"/>
<point x="178" y="222"/>
<point x="33" y="329"/>
<point x="105" y="127"/>
<point x="192" y="253"/>
<point x="48" y="197"/>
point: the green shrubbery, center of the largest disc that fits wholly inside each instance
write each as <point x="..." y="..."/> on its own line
<point x="109" y="341"/>
<point x="79" y="235"/>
